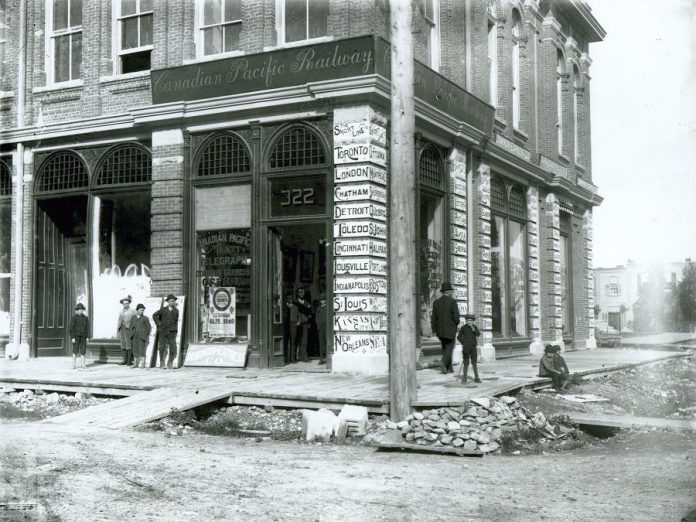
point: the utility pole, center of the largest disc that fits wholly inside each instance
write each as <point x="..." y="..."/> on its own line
<point x="402" y="215"/>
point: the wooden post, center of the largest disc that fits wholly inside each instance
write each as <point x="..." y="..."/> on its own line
<point x="402" y="216"/>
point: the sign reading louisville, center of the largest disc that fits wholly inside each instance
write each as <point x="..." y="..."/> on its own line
<point x="348" y="58"/>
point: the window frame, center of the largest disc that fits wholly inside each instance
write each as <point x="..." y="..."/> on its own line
<point x="576" y="119"/>
<point x="117" y="31"/>
<point x="199" y="33"/>
<point x="281" y="40"/>
<point x="433" y="44"/>
<point x="492" y="61"/>
<point x="613" y="286"/>
<point x="567" y="266"/>
<point x="50" y="42"/>
<point x="560" y="71"/>
<point x="515" y="68"/>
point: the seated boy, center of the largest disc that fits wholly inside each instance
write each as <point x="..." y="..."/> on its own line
<point x="548" y="369"/>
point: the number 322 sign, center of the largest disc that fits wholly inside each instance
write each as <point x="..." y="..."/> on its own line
<point x="298" y="196"/>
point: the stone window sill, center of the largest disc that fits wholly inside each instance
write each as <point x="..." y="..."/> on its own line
<point x="124" y="77"/>
<point x="56" y="87"/>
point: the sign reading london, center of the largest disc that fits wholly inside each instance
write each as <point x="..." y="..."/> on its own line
<point x="339" y="59"/>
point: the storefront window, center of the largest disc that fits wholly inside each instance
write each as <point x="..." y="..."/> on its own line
<point x="508" y="261"/>
<point x="223" y="272"/>
<point x="120" y="236"/>
<point x="5" y="238"/>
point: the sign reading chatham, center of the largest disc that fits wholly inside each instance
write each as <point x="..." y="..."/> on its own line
<point x="339" y="59"/>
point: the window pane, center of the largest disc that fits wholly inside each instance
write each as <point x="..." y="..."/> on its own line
<point x="76" y="58"/>
<point x="429" y="9"/>
<point x="295" y="20"/>
<point x="60" y="14"/>
<point x="212" y="40"/>
<point x="518" y="280"/>
<point x="318" y="18"/>
<point x="145" y="5"/>
<point x="146" y="30"/>
<point x="498" y="264"/>
<point x="129" y="35"/>
<point x="128" y="7"/>
<point x="430" y="240"/>
<point x="212" y="12"/>
<point x="233" y="10"/>
<point x="75" y="13"/>
<point x="133" y="62"/>
<point x="232" y="37"/>
<point x="61" y="59"/>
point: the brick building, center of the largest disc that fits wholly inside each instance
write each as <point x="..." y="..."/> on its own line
<point x="233" y="151"/>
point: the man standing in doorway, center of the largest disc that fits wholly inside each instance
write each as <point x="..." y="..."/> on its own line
<point x="304" y="307"/>
<point x="444" y="322"/>
<point x="123" y="330"/>
<point x="167" y="321"/>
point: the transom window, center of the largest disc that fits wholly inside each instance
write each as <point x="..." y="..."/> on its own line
<point x="125" y="165"/>
<point x="5" y="180"/>
<point x="134" y="20"/>
<point x="219" y="26"/>
<point x="63" y="171"/>
<point x="64" y="27"/>
<point x="430" y="168"/>
<point x="303" y="20"/>
<point x="508" y="259"/>
<point x="224" y="155"/>
<point x="298" y="147"/>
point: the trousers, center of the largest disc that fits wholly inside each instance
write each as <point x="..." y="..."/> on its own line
<point x="167" y="341"/>
<point x="447" y="348"/>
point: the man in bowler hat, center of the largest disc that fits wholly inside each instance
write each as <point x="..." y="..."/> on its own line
<point x="167" y="321"/>
<point x="141" y="335"/>
<point x="444" y="322"/>
<point x="467" y="337"/>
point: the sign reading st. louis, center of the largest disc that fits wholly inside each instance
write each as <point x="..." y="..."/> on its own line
<point x="221" y="320"/>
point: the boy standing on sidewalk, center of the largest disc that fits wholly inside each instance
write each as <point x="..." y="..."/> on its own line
<point x="141" y="335"/>
<point x="79" y="331"/>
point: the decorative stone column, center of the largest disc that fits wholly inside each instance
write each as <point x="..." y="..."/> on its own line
<point x="360" y="241"/>
<point x="536" y="347"/>
<point x="483" y="231"/>
<point x="551" y="283"/>
<point x="458" y="237"/>
<point x="590" y="342"/>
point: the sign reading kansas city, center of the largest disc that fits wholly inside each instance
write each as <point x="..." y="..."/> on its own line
<point x="348" y="58"/>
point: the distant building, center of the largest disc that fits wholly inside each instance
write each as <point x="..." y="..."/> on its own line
<point x="235" y="151"/>
<point x="618" y="293"/>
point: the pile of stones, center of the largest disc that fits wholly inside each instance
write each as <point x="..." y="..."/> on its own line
<point x="478" y="425"/>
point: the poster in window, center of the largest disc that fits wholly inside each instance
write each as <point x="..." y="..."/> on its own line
<point x="306" y="266"/>
<point x="221" y="319"/>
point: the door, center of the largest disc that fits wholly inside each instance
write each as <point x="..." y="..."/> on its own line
<point x="614" y="320"/>
<point x="51" y="308"/>
<point x="277" y="335"/>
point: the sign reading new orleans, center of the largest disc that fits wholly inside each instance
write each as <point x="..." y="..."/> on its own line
<point x="339" y="59"/>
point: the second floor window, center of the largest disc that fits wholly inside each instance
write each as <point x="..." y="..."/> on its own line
<point x="431" y="14"/>
<point x="560" y="70"/>
<point x="135" y="35"/>
<point x="576" y="116"/>
<point x="304" y="19"/>
<point x="492" y="62"/>
<point x="515" y="70"/>
<point x="614" y="288"/>
<point x="64" y="22"/>
<point x="220" y="23"/>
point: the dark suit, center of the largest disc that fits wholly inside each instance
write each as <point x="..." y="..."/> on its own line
<point x="467" y="337"/>
<point x="444" y="322"/>
<point x="167" y="321"/>
<point x="79" y="330"/>
<point x="141" y="335"/>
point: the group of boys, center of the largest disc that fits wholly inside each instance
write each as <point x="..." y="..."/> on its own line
<point x="445" y="321"/>
<point x="133" y="331"/>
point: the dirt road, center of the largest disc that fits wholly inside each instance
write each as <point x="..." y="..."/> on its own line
<point x="148" y="476"/>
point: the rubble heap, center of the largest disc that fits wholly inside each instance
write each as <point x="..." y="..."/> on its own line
<point x="478" y="425"/>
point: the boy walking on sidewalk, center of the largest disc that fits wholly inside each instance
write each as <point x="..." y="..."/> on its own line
<point x="79" y="331"/>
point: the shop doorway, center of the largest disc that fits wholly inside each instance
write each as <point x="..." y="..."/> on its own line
<point x="61" y="270"/>
<point x="297" y="277"/>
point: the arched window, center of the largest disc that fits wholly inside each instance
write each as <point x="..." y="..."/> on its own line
<point x="124" y="165"/>
<point x="224" y="155"/>
<point x="560" y="70"/>
<point x="508" y="259"/>
<point x="492" y="56"/>
<point x="431" y="230"/>
<point x="63" y="171"/>
<point x="515" y="69"/>
<point x="5" y="180"/>
<point x="297" y="147"/>
<point x="576" y="116"/>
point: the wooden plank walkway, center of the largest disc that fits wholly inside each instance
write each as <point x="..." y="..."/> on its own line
<point x="619" y="421"/>
<point x="295" y="389"/>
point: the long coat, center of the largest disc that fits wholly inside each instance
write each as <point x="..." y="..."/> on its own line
<point x="125" y="319"/>
<point x="142" y="328"/>
<point x="445" y="318"/>
<point x="467" y="336"/>
<point x="167" y="320"/>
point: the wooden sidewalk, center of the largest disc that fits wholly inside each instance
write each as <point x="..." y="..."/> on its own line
<point x="152" y="393"/>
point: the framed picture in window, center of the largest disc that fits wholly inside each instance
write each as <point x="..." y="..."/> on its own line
<point x="306" y="266"/>
<point x="289" y="265"/>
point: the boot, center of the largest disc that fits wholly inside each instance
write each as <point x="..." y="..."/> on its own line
<point x="161" y="359"/>
<point x="130" y="358"/>
<point x="125" y="358"/>
<point x="136" y="363"/>
<point x="170" y="361"/>
<point x="476" y="375"/>
<point x="465" y="371"/>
